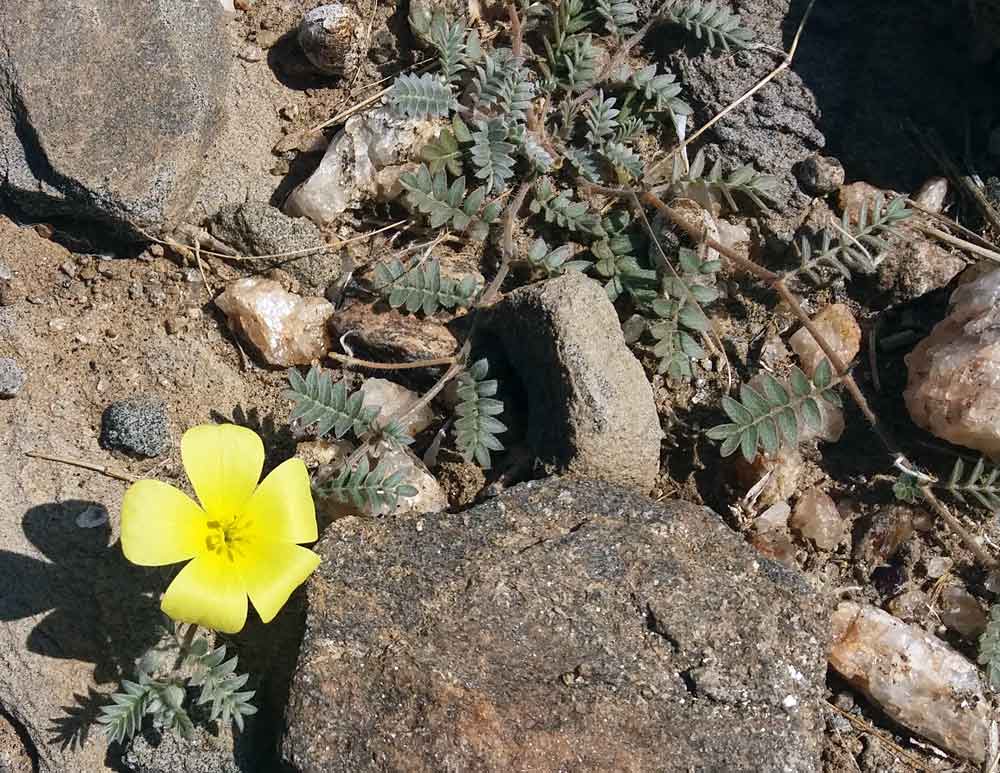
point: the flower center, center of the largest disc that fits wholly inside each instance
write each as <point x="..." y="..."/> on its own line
<point x="227" y="538"/>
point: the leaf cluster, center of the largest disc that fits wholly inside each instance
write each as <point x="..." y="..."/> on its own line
<point x="327" y="407"/>
<point x="559" y="209"/>
<point x="430" y="194"/>
<point x="853" y="246"/>
<point x="989" y="647"/>
<point x="554" y="262"/>
<point x="981" y="484"/>
<point x="362" y="485"/>
<point x="221" y="686"/>
<point x="745" y="181"/>
<point x="477" y="427"/>
<point x="163" y="699"/>
<point x="679" y="317"/>
<point x="712" y="21"/>
<point x="423" y="288"/>
<point x="762" y="420"/>
<point x="422" y="96"/>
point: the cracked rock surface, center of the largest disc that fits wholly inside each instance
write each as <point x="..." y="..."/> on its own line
<point x="561" y="626"/>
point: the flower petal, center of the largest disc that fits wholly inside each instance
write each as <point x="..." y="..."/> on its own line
<point x="271" y="571"/>
<point x="160" y="524"/>
<point x="223" y="462"/>
<point x="209" y="592"/>
<point x="282" y="509"/>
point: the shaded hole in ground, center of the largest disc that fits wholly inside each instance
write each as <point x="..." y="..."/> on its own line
<point x="875" y="68"/>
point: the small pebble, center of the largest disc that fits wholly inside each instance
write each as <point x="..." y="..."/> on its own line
<point x="5" y="273"/>
<point x="156" y="250"/>
<point x="820" y="175"/>
<point x="938" y="567"/>
<point x="328" y="37"/>
<point x="12" y="377"/>
<point x="932" y="194"/>
<point x="816" y="518"/>
<point x="910" y="607"/>
<point x="837" y="325"/>
<point x="962" y="613"/>
<point x="137" y="425"/>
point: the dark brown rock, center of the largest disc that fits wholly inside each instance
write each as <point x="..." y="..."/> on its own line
<point x="380" y="333"/>
<point x="107" y="107"/>
<point x="562" y="626"/>
<point x="592" y="413"/>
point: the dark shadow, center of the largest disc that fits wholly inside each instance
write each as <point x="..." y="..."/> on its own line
<point x="292" y="69"/>
<point x="72" y="729"/>
<point x="279" y="443"/>
<point x="98" y="607"/>
<point x="101" y="608"/>
<point x="884" y="73"/>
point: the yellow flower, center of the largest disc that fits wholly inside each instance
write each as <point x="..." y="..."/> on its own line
<point x="243" y="541"/>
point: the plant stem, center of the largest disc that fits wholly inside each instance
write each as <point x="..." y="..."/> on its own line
<point x="84" y="466"/>
<point x="777" y="283"/>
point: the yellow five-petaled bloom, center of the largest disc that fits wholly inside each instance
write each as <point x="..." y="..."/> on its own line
<point x="244" y="539"/>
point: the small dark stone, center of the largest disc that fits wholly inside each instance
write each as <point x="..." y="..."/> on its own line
<point x="137" y="425"/>
<point x="12" y="377"/>
<point x="890" y="580"/>
<point x="820" y="175"/>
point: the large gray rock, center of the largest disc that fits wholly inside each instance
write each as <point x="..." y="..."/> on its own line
<point x="108" y="106"/>
<point x="592" y="413"/>
<point x="562" y="626"/>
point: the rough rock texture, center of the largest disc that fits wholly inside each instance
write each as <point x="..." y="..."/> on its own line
<point x="255" y="228"/>
<point x="954" y="374"/>
<point x="285" y="328"/>
<point x="153" y="752"/>
<point x="14" y="757"/>
<point x="914" y="677"/>
<point x="562" y="626"/>
<point x="349" y="172"/>
<point x="137" y="425"/>
<point x="591" y="407"/>
<point x="107" y="108"/>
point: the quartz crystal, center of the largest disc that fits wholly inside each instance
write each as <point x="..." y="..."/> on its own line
<point x="285" y="328"/>
<point x="838" y="326"/>
<point x="816" y="518"/>
<point x="914" y="677"/>
<point x="392" y="399"/>
<point x="954" y="374"/>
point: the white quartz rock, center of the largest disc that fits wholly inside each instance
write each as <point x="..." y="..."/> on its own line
<point x="914" y="677"/>
<point x="285" y="328"/>
<point x="391" y="399"/>
<point x="954" y="374"/>
<point x="349" y="172"/>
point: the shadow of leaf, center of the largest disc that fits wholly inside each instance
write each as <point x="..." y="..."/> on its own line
<point x="72" y="729"/>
